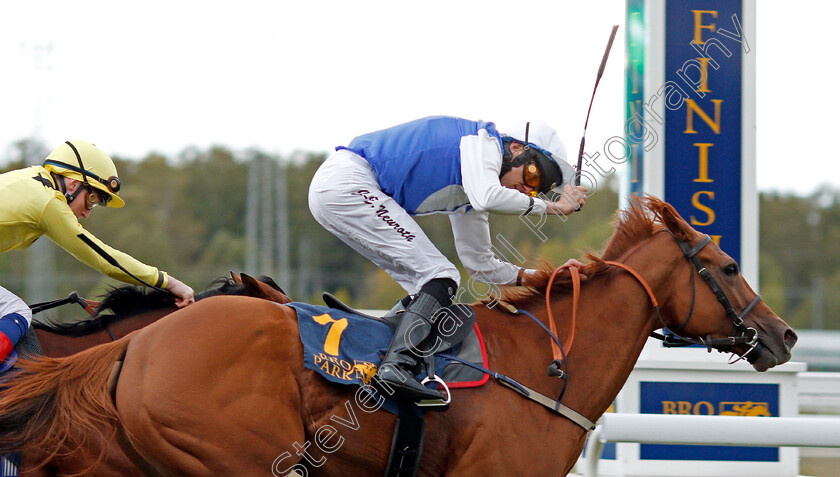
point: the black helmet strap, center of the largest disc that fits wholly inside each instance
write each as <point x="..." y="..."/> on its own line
<point x="72" y="197"/>
<point x="81" y="164"/>
<point x="528" y="154"/>
<point x="112" y="183"/>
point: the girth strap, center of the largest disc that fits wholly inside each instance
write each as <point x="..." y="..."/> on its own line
<point x="407" y="444"/>
<point x="553" y="405"/>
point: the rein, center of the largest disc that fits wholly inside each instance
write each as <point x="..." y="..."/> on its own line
<point x="558" y="350"/>
<point x="749" y="335"/>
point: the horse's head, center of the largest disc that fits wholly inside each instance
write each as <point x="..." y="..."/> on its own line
<point x="710" y="299"/>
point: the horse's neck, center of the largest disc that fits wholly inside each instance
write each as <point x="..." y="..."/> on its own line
<point x="56" y="345"/>
<point x="125" y="325"/>
<point x="615" y="317"/>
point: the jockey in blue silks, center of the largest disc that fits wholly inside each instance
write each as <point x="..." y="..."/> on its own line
<point x="367" y="192"/>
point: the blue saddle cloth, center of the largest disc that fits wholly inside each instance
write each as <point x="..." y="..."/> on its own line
<point x="343" y="347"/>
<point x="347" y="348"/>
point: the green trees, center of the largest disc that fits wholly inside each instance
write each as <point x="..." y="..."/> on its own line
<point x="800" y="257"/>
<point x="187" y="215"/>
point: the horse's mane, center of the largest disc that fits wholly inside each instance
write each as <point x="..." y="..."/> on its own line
<point x="641" y="221"/>
<point x="130" y="300"/>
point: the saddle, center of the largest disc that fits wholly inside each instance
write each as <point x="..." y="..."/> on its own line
<point x="454" y="334"/>
<point x="390" y="318"/>
<point x="451" y="325"/>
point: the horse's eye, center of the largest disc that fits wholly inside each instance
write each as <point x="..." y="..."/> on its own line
<point x="731" y="269"/>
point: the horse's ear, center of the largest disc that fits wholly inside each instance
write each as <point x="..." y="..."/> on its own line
<point x="259" y="289"/>
<point x="235" y="278"/>
<point x="248" y="281"/>
<point x="674" y="222"/>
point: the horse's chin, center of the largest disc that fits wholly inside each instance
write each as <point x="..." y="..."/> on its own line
<point x="763" y="358"/>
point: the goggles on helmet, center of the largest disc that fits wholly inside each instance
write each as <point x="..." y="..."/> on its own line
<point x="112" y="183"/>
<point x="541" y="172"/>
<point x="531" y="176"/>
<point x="537" y="161"/>
<point x="95" y="197"/>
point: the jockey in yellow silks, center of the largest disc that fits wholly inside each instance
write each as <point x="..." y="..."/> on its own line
<point x="49" y="200"/>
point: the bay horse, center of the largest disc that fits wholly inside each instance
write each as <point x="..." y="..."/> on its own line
<point x="122" y="310"/>
<point x="219" y="388"/>
<point x="128" y="308"/>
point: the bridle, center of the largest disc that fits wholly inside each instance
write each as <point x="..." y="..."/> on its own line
<point x="748" y="336"/>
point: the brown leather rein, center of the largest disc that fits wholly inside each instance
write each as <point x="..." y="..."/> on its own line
<point x="567" y="345"/>
<point x="559" y="352"/>
<point x="748" y="335"/>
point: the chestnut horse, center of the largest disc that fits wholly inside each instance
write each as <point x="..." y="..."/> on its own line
<point x="122" y="311"/>
<point x="219" y="388"/>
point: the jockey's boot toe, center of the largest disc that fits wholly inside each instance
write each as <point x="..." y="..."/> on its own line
<point x="397" y="382"/>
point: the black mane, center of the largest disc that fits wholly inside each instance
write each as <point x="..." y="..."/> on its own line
<point x="131" y="300"/>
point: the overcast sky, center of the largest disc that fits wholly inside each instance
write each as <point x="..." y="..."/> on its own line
<point x="310" y="75"/>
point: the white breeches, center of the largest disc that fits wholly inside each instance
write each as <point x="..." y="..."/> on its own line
<point x="346" y="199"/>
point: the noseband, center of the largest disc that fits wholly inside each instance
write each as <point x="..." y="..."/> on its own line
<point x="748" y="336"/>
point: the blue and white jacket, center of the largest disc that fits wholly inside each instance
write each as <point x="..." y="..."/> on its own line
<point x="449" y="165"/>
<point x="441" y="164"/>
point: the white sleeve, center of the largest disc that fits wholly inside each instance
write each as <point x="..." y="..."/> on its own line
<point x="11" y="303"/>
<point x="481" y="162"/>
<point x="472" y="242"/>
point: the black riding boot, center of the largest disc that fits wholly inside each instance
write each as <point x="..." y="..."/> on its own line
<point x="396" y="373"/>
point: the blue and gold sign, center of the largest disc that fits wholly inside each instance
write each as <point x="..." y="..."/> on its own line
<point x="704" y="48"/>
<point x="723" y="399"/>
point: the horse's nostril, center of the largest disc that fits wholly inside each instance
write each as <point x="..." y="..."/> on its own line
<point x="790" y="338"/>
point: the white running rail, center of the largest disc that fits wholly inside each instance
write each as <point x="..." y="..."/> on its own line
<point x="710" y="430"/>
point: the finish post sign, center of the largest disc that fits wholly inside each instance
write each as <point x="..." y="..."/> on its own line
<point x="691" y="116"/>
<point x="703" y="136"/>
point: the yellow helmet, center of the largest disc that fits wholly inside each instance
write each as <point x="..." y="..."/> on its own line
<point x="85" y="162"/>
